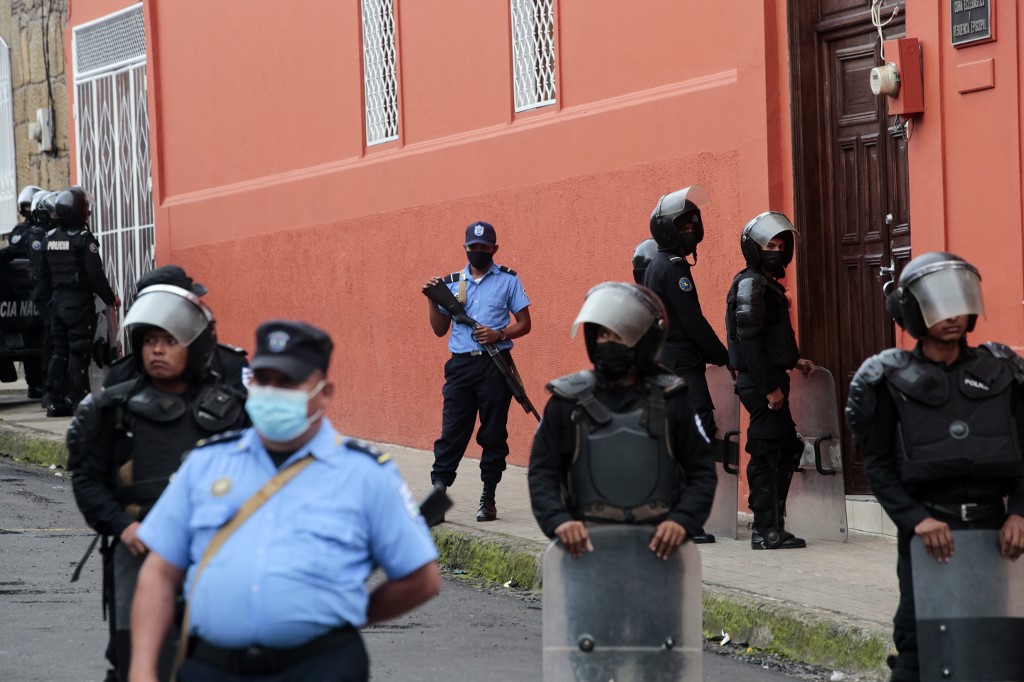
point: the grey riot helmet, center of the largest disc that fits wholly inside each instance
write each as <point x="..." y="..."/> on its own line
<point x="934" y="287"/>
<point x="181" y="314"/>
<point x="42" y="208"/>
<point x="642" y="256"/>
<point x="25" y="199"/>
<point x="761" y="230"/>
<point x="633" y="312"/>
<point x="674" y="210"/>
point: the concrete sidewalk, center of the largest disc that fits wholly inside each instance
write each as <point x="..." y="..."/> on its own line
<point x="830" y="604"/>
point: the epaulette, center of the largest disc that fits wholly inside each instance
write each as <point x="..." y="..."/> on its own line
<point x="367" y="449"/>
<point x="232" y="349"/>
<point x="572" y="386"/>
<point x="225" y="437"/>
<point x="675" y="259"/>
<point x="506" y="269"/>
<point x="452" y="278"/>
<point x="670" y="383"/>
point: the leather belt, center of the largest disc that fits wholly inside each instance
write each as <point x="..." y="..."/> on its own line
<point x="257" y="660"/>
<point x="472" y="353"/>
<point x="969" y="511"/>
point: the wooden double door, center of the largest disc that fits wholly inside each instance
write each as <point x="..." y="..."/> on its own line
<point x="852" y="199"/>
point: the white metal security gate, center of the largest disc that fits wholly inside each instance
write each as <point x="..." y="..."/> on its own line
<point x="8" y="168"/>
<point x="112" y="126"/>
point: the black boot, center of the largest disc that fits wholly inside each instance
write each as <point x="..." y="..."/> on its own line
<point x="440" y="519"/>
<point x="487" y="510"/>
<point x="60" y="407"/>
<point x="702" y="537"/>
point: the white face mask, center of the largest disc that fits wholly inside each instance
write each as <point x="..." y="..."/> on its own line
<point x="279" y="414"/>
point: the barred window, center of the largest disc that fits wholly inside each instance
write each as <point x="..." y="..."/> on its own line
<point x="533" y="53"/>
<point x="379" y="80"/>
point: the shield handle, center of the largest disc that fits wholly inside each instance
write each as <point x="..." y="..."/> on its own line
<point x="726" y="464"/>
<point x="817" y="455"/>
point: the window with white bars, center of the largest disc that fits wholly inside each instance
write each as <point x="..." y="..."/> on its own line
<point x="106" y="44"/>
<point x="379" y="81"/>
<point x="533" y="53"/>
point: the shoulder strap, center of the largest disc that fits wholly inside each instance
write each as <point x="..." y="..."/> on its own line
<point x="241" y="516"/>
<point x="462" y="291"/>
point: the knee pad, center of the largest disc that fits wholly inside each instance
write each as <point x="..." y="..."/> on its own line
<point x="80" y="346"/>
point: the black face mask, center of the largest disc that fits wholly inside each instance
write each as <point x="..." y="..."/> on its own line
<point x="481" y="260"/>
<point x="774" y="262"/>
<point x="613" y="360"/>
<point x="688" y="242"/>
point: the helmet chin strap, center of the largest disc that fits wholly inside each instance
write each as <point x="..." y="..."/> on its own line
<point x="694" y="259"/>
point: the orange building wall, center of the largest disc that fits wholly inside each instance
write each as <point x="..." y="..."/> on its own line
<point x="965" y="160"/>
<point x="266" y="193"/>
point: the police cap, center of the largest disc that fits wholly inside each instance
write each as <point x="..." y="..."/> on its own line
<point x="293" y="348"/>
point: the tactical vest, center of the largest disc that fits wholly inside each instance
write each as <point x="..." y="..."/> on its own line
<point x="62" y="258"/>
<point x="622" y="467"/>
<point x="780" y="347"/>
<point x="156" y="430"/>
<point x="955" y="423"/>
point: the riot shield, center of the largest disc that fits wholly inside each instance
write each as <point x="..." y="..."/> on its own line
<point x="726" y="446"/>
<point x="105" y="348"/>
<point x="620" y="612"/>
<point x="970" y="611"/>
<point x="816" y="507"/>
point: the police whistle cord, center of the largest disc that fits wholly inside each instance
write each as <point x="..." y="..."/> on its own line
<point x="440" y="294"/>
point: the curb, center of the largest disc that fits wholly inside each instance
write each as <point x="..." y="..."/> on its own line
<point x="820" y="638"/>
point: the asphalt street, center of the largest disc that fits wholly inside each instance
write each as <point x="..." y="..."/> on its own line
<point x="53" y="629"/>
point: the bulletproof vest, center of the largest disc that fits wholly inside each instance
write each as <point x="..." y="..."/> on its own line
<point x="34" y="246"/>
<point x="622" y="469"/>
<point x="955" y="422"/>
<point x="754" y="294"/>
<point x="61" y="254"/>
<point x="159" y="428"/>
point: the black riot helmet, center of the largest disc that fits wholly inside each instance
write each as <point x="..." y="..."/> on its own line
<point x="934" y="287"/>
<point x="42" y="208"/>
<point x="73" y="207"/>
<point x="25" y="199"/>
<point x="761" y="230"/>
<point x="181" y="314"/>
<point x="675" y="210"/>
<point x="633" y="312"/>
<point x="642" y="257"/>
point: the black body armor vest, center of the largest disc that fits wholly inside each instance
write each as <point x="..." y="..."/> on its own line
<point x="622" y="468"/>
<point x="753" y="296"/>
<point x="62" y="257"/>
<point x="955" y="423"/>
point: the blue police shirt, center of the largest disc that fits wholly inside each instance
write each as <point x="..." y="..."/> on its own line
<point x="489" y="302"/>
<point x="297" y="567"/>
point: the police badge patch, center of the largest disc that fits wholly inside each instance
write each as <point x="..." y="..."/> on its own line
<point x="37" y="245"/>
<point x="478" y="230"/>
<point x="94" y="248"/>
<point x="277" y="341"/>
<point x="685" y="284"/>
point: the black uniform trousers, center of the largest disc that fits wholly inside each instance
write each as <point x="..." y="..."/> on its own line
<point x="905" y="666"/>
<point x="774" y="450"/>
<point x="472" y="384"/>
<point x="686" y="362"/>
<point x="37" y="372"/>
<point x="73" y="329"/>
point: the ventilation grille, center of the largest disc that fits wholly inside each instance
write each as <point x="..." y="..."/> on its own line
<point x="113" y="41"/>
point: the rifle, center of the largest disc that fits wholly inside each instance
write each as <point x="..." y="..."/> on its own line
<point x="442" y="295"/>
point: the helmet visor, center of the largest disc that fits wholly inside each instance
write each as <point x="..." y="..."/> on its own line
<point x="947" y="290"/>
<point x="176" y="311"/>
<point x="675" y="202"/>
<point x="618" y="307"/>
<point x="767" y="226"/>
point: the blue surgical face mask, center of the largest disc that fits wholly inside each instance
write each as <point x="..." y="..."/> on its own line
<point x="279" y="414"/>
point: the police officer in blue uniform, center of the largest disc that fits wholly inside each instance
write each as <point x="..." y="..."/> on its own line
<point x="73" y="270"/>
<point x="284" y="593"/>
<point x="229" y="363"/>
<point x="692" y="343"/>
<point x="627" y="403"/>
<point x="940" y="428"/>
<point x="473" y="384"/>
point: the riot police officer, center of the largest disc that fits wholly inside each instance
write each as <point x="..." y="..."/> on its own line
<point x="124" y="444"/>
<point x="20" y="246"/>
<point x="627" y="402"/>
<point x="73" y="269"/>
<point x="642" y="256"/>
<point x="692" y="344"/>
<point x="762" y="347"/>
<point x="229" y="362"/>
<point x="940" y="428"/>
<point x="42" y="208"/>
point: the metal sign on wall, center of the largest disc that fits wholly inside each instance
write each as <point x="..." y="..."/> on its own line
<point x="970" y="21"/>
<point x="112" y="127"/>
